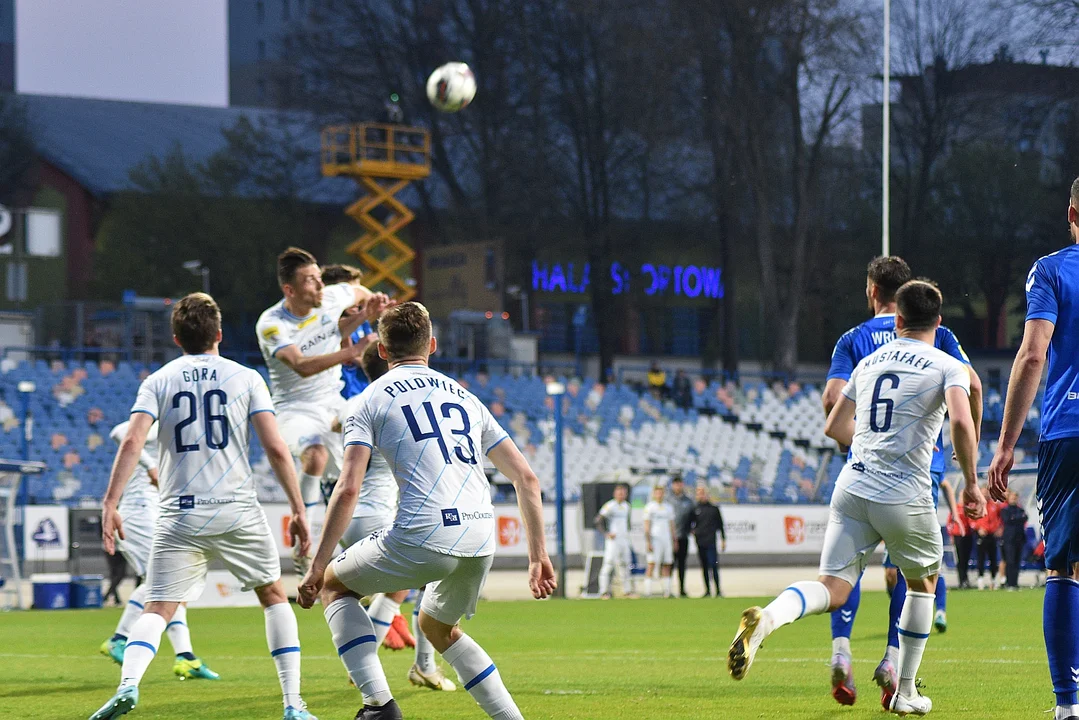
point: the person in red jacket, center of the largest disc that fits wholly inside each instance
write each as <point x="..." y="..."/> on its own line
<point x="988" y="528"/>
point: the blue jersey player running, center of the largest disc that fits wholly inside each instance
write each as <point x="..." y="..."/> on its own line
<point x="1052" y="327"/>
<point x="885" y="276"/>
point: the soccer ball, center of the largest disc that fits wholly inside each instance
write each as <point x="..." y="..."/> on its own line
<point x="451" y="87"/>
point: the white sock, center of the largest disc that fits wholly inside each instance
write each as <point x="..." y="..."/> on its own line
<point x="311" y="489"/>
<point x="481" y="679"/>
<point x="606" y="572"/>
<point x="354" y="637"/>
<point x="283" y="639"/>
<point x="382" y="611"/>
<point x="627" y="579"/>
<point x="132" y="611"/>
<point x="648" y="586"/>
<point x="915" y="624"/>
<point x="806" y="597"/>
<point x="841" y="646"/>
<point x="1063" y="712"/>
<point x="425" y="651"/>
<point x="179" y="635"/>
<point x="142" y="645"/>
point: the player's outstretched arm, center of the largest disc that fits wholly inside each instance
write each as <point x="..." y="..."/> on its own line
<point x="1022" y="388"/>
<point x="965" y="444"/>
<point x="840" y="423"/>
<point x="284" y="468"/>
<point x="307" y="366"/>
<point x="127" y="458"/>
<point x="511" y="463"/>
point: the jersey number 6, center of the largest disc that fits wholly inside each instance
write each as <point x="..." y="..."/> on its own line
<point x="210" y="419"/>
<point x="874" y="424"/>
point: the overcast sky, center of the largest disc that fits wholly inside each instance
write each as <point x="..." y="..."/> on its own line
<point x="157" y="50"/>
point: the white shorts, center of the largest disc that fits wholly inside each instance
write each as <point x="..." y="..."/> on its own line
<point x="304" y="426"/>
<point x="178" y="561"/>
<point x="617" y="552"/>
<point x="911" y="533"/>
<point x="381" y="563"/>
<point x="662" y="552"/>
<point x="135" y="547"/>
<point x="361" y="527"/>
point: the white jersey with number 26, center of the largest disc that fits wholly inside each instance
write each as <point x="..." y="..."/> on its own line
<point x="202" y="404"/>
<point x="898" y="393"/>
<point x="434" y="434"/>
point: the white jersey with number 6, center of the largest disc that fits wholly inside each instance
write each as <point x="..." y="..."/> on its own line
<point x="202" y="404"/>
<point x="434" y="434"/>
<point x="898" y="393"/>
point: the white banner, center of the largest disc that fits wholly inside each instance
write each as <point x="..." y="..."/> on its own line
<point x="223" y="590"/>
<point x="45" y="532"/>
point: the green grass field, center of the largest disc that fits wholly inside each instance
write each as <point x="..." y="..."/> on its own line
<point x="580" y="659"/>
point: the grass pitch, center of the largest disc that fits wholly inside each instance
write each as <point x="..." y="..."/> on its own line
<point x="591" y="660"/>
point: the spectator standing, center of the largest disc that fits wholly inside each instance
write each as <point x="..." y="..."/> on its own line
<point x="988" y="528"/>
<point x="683" y="516"/>
<point x="963" y="536"/>
<point x="657" y="381"/>
<point x="683" y="390"/>
<point x="707" y="521"/>
<point x="1014" y="521"/>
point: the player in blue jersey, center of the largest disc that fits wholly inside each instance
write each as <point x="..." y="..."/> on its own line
<point x="355" y="329"/>
<point x="884" y="278"/>
<point x="1052" y="327"/>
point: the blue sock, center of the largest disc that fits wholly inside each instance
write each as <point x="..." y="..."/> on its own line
<point x="1060" y="623"/>
<point x="118" y="636"/>
<point x="186" y="656"/>
<point x="843" y="618"/>
<point x="895" y="608"/>
<point x="942" y="593"/>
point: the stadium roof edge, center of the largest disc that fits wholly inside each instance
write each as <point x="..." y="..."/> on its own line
<point x="98" y="142"/>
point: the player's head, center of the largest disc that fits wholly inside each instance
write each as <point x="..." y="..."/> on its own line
<point x="338" y="273"/>
<point x="404" y="333"/>
<point x="884" y="276"/>
<point x="374" y="366"/>
<point x="677" y="485"/>
<point x="621" y="492"/>
<point x="1073" y="210"/>
<point x="702" y="493"/>
<point x="196" y="324"/>
<point x="300" y="279"/>
<point x="657" y="493"/>
<point x="917" y="307"/>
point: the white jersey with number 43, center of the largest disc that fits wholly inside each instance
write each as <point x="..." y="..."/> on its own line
<point x="434" y="435"/>
<point x="202" y="404"/>
<point x="898" y="393"/>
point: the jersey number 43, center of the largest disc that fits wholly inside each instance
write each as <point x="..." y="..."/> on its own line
<point x="448" y="410"/>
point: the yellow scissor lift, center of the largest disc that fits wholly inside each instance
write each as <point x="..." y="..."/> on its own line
<point x="383" y="159"/>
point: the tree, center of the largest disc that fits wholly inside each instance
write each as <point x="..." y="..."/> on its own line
<point x="784" y="92"/>
<point x="995" y="218"/>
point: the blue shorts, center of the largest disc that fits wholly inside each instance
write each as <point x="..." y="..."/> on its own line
<point x="1058" y="500"/>
<point x="937" y="476"/>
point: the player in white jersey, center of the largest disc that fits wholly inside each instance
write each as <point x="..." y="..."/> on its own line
<point x="376" y="507"/>
<point x="890" y="414"/>
<point x="301" y="344"/>
<point x="660" y="536"/>
<point x="613" y="518"/>
<point x="139" y="506"/>
<point x="434" y="434"/>
<point x="203" y="405"/>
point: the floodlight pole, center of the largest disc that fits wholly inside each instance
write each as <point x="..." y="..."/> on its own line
<point x="886" y="122"/>
<point x="556" y="391"/>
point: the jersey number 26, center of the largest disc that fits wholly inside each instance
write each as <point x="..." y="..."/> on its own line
<point x="216" y="424"/>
